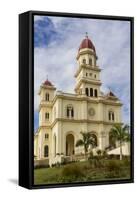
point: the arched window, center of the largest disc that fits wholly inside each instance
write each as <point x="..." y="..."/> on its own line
<point x="46" y="151"/>
<point x="70" y="111"/>
<point x="84" y="61"/>
<point x="91" y="92"/>
<point x="96" y="93"/>
<point x="90" y="61"/>
<point x="111" y="116"/>
<point x="70" y="147"/>
<point x="47" y="96"/>
<point x="86" y="91"/>
<point x="67" y="111"/>
<point x="46" y="115"/>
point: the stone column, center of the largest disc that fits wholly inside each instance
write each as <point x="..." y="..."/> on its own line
<point x="100" y="112"/>
<point x="102" y="138"/>
<point x="58" y="138"/>
<point x="40" y="146"/>
<point x="84" y="110"/>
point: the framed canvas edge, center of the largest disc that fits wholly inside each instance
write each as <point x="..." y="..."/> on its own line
<point x="31" y="14"/>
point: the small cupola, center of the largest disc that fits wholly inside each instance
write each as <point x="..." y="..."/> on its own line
<point x="87" y="44"/>
<point x="47" y="83"/>
<point x="87" y="52"/>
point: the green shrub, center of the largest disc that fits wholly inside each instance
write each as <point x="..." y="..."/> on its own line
<point x="112" y="165"/>
<point x="86" y="166"/>
<point x="126" y="162"/>
<point x="96" y="162"/>
<point x="104" y="154"/>
<point x="72" y="171"/>
<point x="113" y="156"/>
<point x="41" y="166"/>
<point x="112" y="174"/>
<point x="99" y="152"/>
<point x="91" y="155"/>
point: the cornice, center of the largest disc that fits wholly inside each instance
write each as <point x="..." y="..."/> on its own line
<point x="86" y="51"/>
<point x="85" y="66"/>
<point x="78" y="121"/>
<point x="94" y="82"/>
<point x="46" y="87"/>
<point x="83" y="98"/>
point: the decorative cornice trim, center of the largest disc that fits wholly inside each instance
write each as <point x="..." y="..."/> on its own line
<point x="86" y="67"/>
<point x="78" y="121"/>
<point x="46" y="87"/>
<point x="94" y="82"/>
<point x="86" y="51"/>
<point x="88" y="99"/>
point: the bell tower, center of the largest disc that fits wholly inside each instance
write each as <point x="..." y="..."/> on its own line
<point x="47" y="94"/>
<point x="88" y="74"/>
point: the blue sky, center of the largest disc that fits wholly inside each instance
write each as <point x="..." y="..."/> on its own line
<point x="56" y="42"/>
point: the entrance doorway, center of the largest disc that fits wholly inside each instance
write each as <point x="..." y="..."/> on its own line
<point x="70" y="145"/>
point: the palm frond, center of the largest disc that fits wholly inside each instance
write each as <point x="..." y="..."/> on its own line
<point x="120" y="133"/>
<point x="79" y="143"/>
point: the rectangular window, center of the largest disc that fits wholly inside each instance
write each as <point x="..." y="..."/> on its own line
<point x="46" y="115"/>
<point x="67" y="112"/>
<point x="109" y="116"/>
<point x="91" y="92"/>
<point x="96" y="93"/>
<point x="113" y="116"/>
<point x="47" y="96"/>
<point x="46" y="136"/>
<point x="86" y="91"/>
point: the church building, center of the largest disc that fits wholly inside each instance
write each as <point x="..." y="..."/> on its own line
<point x="62" y="115"/>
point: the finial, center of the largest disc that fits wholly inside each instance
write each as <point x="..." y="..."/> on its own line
<point x="86" y="34"/>
<point x="47" y="77"/>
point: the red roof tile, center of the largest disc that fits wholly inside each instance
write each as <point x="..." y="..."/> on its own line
<point x="87" y="43"/>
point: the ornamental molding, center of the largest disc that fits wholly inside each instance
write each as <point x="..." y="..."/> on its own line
<point x="85" y="66"/>
<point x="93" y="100"/>
<point x="83" y="80"/>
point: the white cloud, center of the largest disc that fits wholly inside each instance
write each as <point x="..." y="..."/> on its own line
<point x="37" y="17"/>
<point x="58" y="59"/>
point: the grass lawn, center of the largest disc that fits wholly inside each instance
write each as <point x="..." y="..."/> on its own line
<point x="83" y="172"/>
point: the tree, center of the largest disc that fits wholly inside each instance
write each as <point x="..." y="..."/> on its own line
<point x="87" y="140"/>
<point x="99" y="152"/>
<point x="120" y="133"/>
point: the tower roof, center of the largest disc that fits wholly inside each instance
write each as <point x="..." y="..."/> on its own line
<point x="48" y="83"/>
<point x="111" y="94"/>
<point x="87" y="43"/>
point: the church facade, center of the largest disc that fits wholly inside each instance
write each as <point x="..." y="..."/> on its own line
<point x="62" y="116"/>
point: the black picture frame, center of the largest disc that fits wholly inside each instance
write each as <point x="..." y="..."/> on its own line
<point x="26" y="98"/>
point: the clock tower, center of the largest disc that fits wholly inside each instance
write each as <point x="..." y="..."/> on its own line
<point x="88" y="74"/>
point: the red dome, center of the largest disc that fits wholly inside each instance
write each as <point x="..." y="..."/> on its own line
<point x="47" y="82"/>
<point x="86" y="43"/>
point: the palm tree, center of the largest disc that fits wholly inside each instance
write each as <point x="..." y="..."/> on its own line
<point x="120" y="133"/>
<point x="86" y="141"/>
